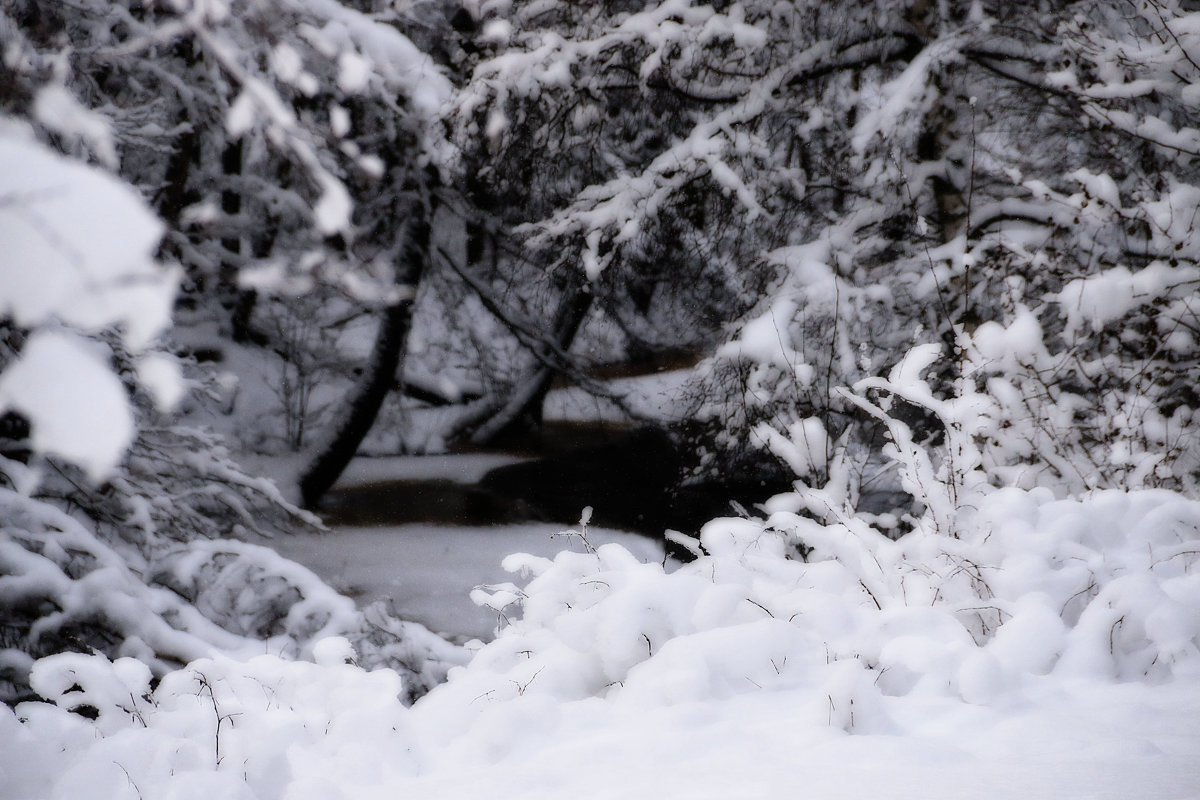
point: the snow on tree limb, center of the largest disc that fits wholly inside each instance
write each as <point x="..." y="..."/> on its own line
<point x="78" y="251"/>
<point x="77" y="407"/>
<point x="78" y="247"/>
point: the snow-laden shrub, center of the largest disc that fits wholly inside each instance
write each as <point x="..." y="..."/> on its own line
<point x="1104" y="587"/>
<point x="251" y="591"/>
<point x="63" y="589"/>
<point x="221" y="727"/>
<point x="176" y="483"/>
<point x="254" y="592"/>
<point x="990" y="591"/>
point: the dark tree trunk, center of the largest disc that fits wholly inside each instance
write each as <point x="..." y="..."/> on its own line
<point x="177" y="192"/>
<point x="239" y="302"/>
<point x="523" y="412"/>
<point x="379" y="377"/>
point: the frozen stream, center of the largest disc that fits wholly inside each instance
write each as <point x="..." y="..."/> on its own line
<point x="427" y="571"/>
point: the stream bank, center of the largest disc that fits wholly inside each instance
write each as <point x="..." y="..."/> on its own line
<point x="629" y="477"/>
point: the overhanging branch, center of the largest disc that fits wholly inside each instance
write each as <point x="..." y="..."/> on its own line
<point x="535" y="341"/>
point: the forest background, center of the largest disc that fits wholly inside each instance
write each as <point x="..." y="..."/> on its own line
<point x="929" y="269"/>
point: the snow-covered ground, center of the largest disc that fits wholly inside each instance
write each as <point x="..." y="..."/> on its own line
<point x="745" y="674"/>
<point x="340" y="738"/>
<point x="1087" y="741"/>
<point x="427" y="572"/>
<point x="1056" y="740"/>
<point x="468" y="468"/>
<point x="659" y="396"/>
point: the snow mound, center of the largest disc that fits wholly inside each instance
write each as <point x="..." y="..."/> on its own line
<point x="219" y="728"/>
<point x="1059" y="659"/>
<point x="1105" y="588"/>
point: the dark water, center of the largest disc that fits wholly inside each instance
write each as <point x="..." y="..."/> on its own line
<point x="629" y="478"/>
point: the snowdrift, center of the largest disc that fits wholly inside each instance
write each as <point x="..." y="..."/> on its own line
<point x="1105" y="587"/>
<point x="1045" y="612"/>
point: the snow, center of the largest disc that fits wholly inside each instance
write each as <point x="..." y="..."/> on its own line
<point x="464" y="468"/>
<point x="58" y="110"/>
<point x="333" y="209"/>
<point x="47" y="557"/>
<point x="354" y="73"/>
<point x="161" y="375"/>
<point x="658" y="396"/>
<point x="391" y="54"/>
<point x="496" y="32"/>
<point x="186" y="601"/>
<point x="426" y="573"/>
<point x="899" y="98"/>
<point x="1102" y="187"/>
<point x="753" y="745"/>
<point x="78" y="247"/>
<point x="286" y="63"/>
<point x="77" y="407"/>
<point x="1050" y="650"/>
<point x="339" y="120"/>
<point x="1107" y="296"/>
<point x="805" y="449"/>
<point x="332" y="731"/>
<point x="240" y="117"/>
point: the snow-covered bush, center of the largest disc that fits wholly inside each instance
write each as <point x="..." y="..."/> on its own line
<point x="988" y="594"/>
<point x="1104" y="587"/>
<point x="85" y="299"/>
<point x="1093" y="356"/>
<point x="250" y="590"/>
<point x="62" y="589"/>
<point x="259" y="728"/>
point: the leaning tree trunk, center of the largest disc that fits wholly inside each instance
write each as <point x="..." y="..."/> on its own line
<point x="523" y="411"/>
<point x="378" y="379"/>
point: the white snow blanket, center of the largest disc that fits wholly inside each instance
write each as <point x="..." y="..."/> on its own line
<point x="1051" y="650"/>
